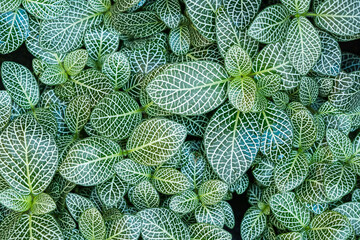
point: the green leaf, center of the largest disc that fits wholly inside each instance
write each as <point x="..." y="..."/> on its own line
<point x="212" y="215"/>
<point x="289" y="211"/>
<point x="194" y="168"/>
<point x="77" y="113"/>
<point x="90" y="161"/>
<point x="111" y="191"/>
<point x="144" y="196"/>
<point x="116" y="116"/>
<point x="297" y="6"/>
<point x="169" y="12"/>
<point x="124" y="5"/>
<point x="309" y="90"/>
<point x="170" y="181"/>
<point x="179" y="40"/>
<point x="184" y="202"/>
<point x="100" y="5"/>
<point x="9" y="5"/>
<point x="231" y="142"/>
<point x="305" y="131"/>
<point x="117" y="68"/>
<point x="352" y="211"/>
<point x="341" y="17"/>
<point x="303" y="45"/>
<point x="127" y="227"/>
<point x="237" y="62"/>
<point x="42" y="204"/>
<point x="77" y="204"/>
<point x="65" y="33"/>
<point x="290" y="236"/>
<point x="92" y="224"/>
<point x="20" y="165"/>
<point x="15" y="201"/>
<point x="242" y="93"/>
<point x="329" y="225"/>
<point x="269" y="85"/>
<point x="291" y="172"/>
<point x="228" y="213"/>
<point x="263" y="171"/>
<point x="195" y="125"/>
<point x="155" y="141"/>
<point x="46" y="9"/>
<point x="53" y="75"/>
<point x="5" y="109"/>
<point x="203" y="231"/>
<point x="20" y="84"/>
<point x="340" y="144"/>
<point x="212" y="192"/>
<point x="271" y="24"/>
<point x="201" y="86"/>
<point x="132" y="172"/>
<point x="14" y="27"/>
<point x="161" y="223"/>
<point x="147" y="58"/>
<point x="242" y="12"/>
<point x="253" y="224"/>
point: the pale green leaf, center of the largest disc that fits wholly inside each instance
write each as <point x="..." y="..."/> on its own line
<point x="237" y="61"/>
<point x="212" y="192"/>
<point x="75" y="61"/>
<point x="212" y="215"/>
<point x="117" y="68"/>
<point x="53" y="75"/>
<point x="242" y="93"/>
<point x="91" y="224"/>
<point x="111" y="191"/>
<point x="268" y="85"/>
<point x="46" y="9"/>
<point x="184" y="202"/>
<point x="15" y="201"/>
<point x="340" y="144"/>
<point x="305" y="131"/>
<point x="100" y="5"/>
<point x="297" y="6"/>
<point x="132" y="172"/>
<point x="42" y="204"/>
<point x="147" y="58"/>
<point x="170" y="181"/>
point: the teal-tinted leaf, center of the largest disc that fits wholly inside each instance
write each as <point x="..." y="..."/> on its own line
<point x="297" y="6"/>
<point x="169" y="12"/>
<point x="15" y="201"/>
<point x="77" y="204"/>
<point x="289" y="211"/>
<point x="100" y="5"/>
<point x="77" y="113"/>
<point x="228" y="213"/>
<point x="253" y="224"/>
<point x="116" y="116"/>
<point x="46" y="9"/>
<point x="147" y="58"/>
<point x="42" y="204"/>
<point x="5" y="109"/>
<point x="154" y="141"/>
<point x="303" y="45"/>
<point x="184" y="202"/>
<point x="195" y="125"/>
<point x="117" y="68"/>
<point x="339" y="143"/>
<point x="127" y="227"/>
<point x="305" y="131"/>
<point x="92" y="224"/>
<point x="170" y="181"/>
<point x="237" y="61"/>
<point x="132" y="172"/>
<point x="91" y="161"/>
<point x="144" y="196"/>
<point x="242" y="12"/>
<point x="161" y="223"/>
<point x="212" y="192"/>
<point x="291" y="172"/>
<point x="309" y="90"/>
<point x="20" y="84"/>
<point x="340" y="17"/>
<point x="270" y="25"/>
<point x="194" y="168"/>
<point x="14" y="29"/>
<point x="53" y="75"/>
<point x="203" y="231"/>
<point x="352" y="211"/>
<point x="264" y="171"/>
<point x="242" y="93"/>
<point x="290" y="236"/>
<point x="231" y="142"/>
<point x="124" y="5"/>
<point x="179" y="40"/>
<point x="24" y="146"/>
<point x="9" y="5"/>
<point x="212" y="215"/>
<point x="111" y="191"/>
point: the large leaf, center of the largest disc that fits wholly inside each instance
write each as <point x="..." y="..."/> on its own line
<point x="169" y="12"/>
<point x="212" y="215"/>
<point x="154" y="141"/>
<point x="9" y="5"/>
<point x="117" y="68"/>
<point x="28" y="155"/>
<point x="116" y="116"/>
<point x="341" y="17"/>
<point x="77" y="113"/>
<point x="91" y="161"/>
<point x="189" y="88"/>
<point x="303" y="45"/>
<point x="15" y="201"/>
<point x="242" y="12"/>
<point x="21" y="85"/>
<point x="170" y="181"/>
<point x="127" y="227"/>
<point x="231" y="142"/>
<point x="253" y="224"/>
<point x="111" y="191"/>
<point x="92" y="224"/>
<point x="14" y="28"/>
<point x="46" y="9"/>
<point x="352" y="211"/>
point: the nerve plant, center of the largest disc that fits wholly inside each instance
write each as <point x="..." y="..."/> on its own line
<point x="142" y="118"/>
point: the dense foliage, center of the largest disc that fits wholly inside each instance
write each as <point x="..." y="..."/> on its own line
<point x="141" y="119"/>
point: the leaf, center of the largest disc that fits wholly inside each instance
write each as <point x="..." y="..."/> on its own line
<point x="303" y="45"/>
<point x="341" y="17"/>
<point x="203" y="231"/>
<point x="111" y="191"/>
<point x="77" y="113"/>
<point x="352" y="211"/>
<point x="90" y="161"/>
<point x="329" y="62"/>
<point x="270" y="25"/>
<point x="340" y="144"/>
<point x="195" y="125"/>
<point x="184" y="202"/>
<point x="9" y="5"/>
<point x="100" y="5"/>
<point x="289" y="211"/>
<point x="169" y="12"/>
<point x="15" y="201"/>
<point x="24" y="146"/>
<point x="147" y="58"/>
<point x="41" y="227"/>
<point x="264" y="171"/>
<point x="228" y="213"/>
<point x="42" y="204"/>
<point x="180" y="39"/>
<point x="253" y="224"/>
<point x="237" y="62"/>
<point x="65" y="33"/>
<point x="154" y="141"/>
<point x="138" y="25"/>
<point x="77" y="204"/>
<point x="53" y="75"/>
<point x="100" y="41"/>
<point x="276" y="133"/>
<point x="305" y="131"/>
<point x="127" y="227"/>
<point x="269" y="85"/>
<point x="161" y="223"/>
<point x="309" y="91"/>
<point x="144" y="196"/>
<point x="20" y="84"/>
<point x="5" y="109"/>
<point x="189" y="88"/>
<point x="117" y="68"/>
<point x="116" y="116"/>
<point x="132" y="172"/>
<point x="339" y="180"/>
<point x="242" y="93"/>
<point x="14" y="29"/>
<point x="291" y="172"/>
<point x="212" y="215"/>
<point x="170" y="181"/>
<point x="242" y="12"/>
<point x="212" y="192"/>
<point x="92" y="224"/>
<point x="46" y="9"/>
<point x="124" y="5"/>
<point x="297" y="6"/>
<point x="329" y="225"/>
<point x="231" y="142"/>
<point x="194" y="168"/>
<point x="290" y="236"/>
